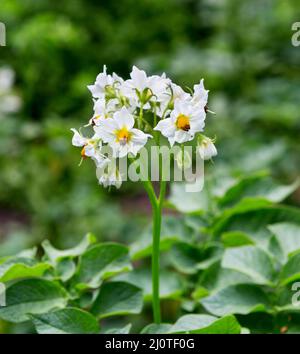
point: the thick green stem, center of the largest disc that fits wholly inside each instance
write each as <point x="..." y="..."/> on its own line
<point x="155" y="264"/>
<point x="157" y="204"/>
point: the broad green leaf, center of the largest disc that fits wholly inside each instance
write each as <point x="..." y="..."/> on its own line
<point x="251" y="261"/>
<point x="171" y="284"/>
<point x="173" y="230"/>
<point x="236" y="299"/>
<point x="215" y="278"/>
<point x="190" y="305"/>
<point x="188" y="259"/>
<point x="118" y="298"/>
<point x="66" y="321"/>
<point x="123" y="330"/>
<point x="214" y="255"/>
<point x="187" y="202"/>
<point x="153" y="328"/>
<point x="16" y="268"/>
<point x="252" y="217"/>
<point x="291" y="270"/>
<point x="288" y="297"/>
<point x="288" y="237"/>
<point x="55" y="255"/>
<point x="32" y="296"/>
<point x="185" y="257"/>
<point x="258" y="185"/>
<point x="206" y="324"/>
<point x="65" y="269"/>
<point x="101" y="262"/>
<point x="236" y="239"/>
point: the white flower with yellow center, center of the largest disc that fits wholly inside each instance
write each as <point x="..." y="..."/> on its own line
<point x="185" y="120"/>
<point x="91" y="147"/>
<point x="120" y="134"/>
<point x="207" y="148"/>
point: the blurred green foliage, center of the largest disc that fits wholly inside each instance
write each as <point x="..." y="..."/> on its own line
<point x="242" y="49"/>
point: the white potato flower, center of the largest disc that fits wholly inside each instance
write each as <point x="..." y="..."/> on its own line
<point x="103" y="82"/>
<point x="207" y="149"/>
<point x="126" y="111"/>
<point x="120" y="134"/>
<point x="145" y="89"/>
<point x="102" y="110"/>
<point x="173" y="93"/>
<point x="91" y="147"/>
<point x="185" y="120"/>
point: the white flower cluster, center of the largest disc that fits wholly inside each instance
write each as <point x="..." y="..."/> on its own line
<point x="128" y="113"/>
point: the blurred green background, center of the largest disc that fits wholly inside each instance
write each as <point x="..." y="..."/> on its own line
<point x="56" y="48"/>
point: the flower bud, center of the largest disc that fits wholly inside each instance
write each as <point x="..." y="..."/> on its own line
<point x="207" y="148"/>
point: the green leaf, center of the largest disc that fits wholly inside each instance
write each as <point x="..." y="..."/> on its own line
<point x="206" y="324"/>
<point x="288" y="237"/>
<point x="236" y="299"/>
<point x="16" y="268"/>
<point x="32" y="296"/>
<point x="101" y="262"/>
<point x="173" y="230"/>
<point x="153" y="328"/>
<point x="65" y="269"/>
<point x="187" y="202"/>
<point x="199" y="293"/>
<point x="123" y="330"/>
<point x="66" y="321"/>
<point x="55" y="255"/>
<point x="251" y="261"/>
<point x="236" y="239"/>
<point x="258" y="185"/>
<point x="118" y="298"/>
<point x="171" y="284"/>
<point x="215" y="278"/>
<point x="185" y="257"/>
<point x="287" y="297"/>
<point x="188" y="259"/>
<point x="291" y="270"/>
<point x="252" y="217"/>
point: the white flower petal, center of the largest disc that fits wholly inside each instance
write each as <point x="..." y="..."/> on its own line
<point x="78" y="140"/>
<point x="124" y="118"/>
<point x="139" y="78"/>
<point x="139" y="137"/>
<point x="166" y="127"/>
<point x="200" y="94"/>
<point x="182" y="136"/>
<point x="106" y="130"/>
